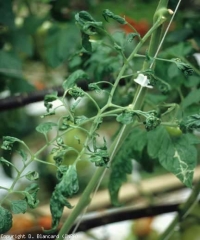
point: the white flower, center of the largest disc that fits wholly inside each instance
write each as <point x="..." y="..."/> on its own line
<point x="143" y="81"/>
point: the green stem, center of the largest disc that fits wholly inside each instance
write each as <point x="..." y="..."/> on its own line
<point x="169" y="124"/>
<point x="183" y="212"/>
<point x="95" y="103"/>
<point x="15" y="181"/>
<point x="125" y="130"/>
<point x="139" y="45"/>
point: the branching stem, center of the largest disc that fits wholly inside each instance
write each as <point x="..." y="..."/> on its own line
<point x="125" y="130"/>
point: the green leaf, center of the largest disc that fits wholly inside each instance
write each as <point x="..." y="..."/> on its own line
<point x="70" y="181"/>
<point x="32" y="175"/>
<point x="131" y="36"/>
<point x="8" y="142"/>
<point x="91" y="28"/>
<point x="108" y="14"/>
<point x="31" y="195"/>
<point x="48" y="99"/>
<point x="33" y="187"/>
<point x="5" y="220"/>
<point x="177" y="155"/>
<point x="190" y="123"/>
<point x="59" y="156"/>
<point x="6" y="13"/>
<point x="60" y="42"/>
<point x="155" y="139"/>
<point x="126" y="117"/>
<point x="32" y="23"/>
<point x="179" y="50"/>
<point x="73" y="78"/>
<point x="86" y="42"/>
<point x="45" y="127"/>
<point x="192" y="81"/>
<point x="84" y="16"/>
<point x="3" y="160"/>
<point x="185" y="160"/>
<point x="76" y="92"/>
<point x="51" y="97"/>
<point x="18" y="206"/>
<point x="184" y="67"/>
<point x="120" y="168"/>
<point x="67" y="187"/>
<point x="21" y="42"/>
<point x="152" y="121"/>
<point x="11" y="139"/>
<point x="99" y="161"/>
<point x="122" y="163"/>
<point x="87" y="23"/>
<point x="191" y="98"/>
<point x="80" y="119"/>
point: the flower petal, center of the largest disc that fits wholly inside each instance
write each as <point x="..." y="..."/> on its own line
<point x="143" y="81"/>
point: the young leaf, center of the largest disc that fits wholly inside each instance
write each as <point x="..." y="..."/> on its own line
<point x="190" y="123"/>
<point x="45" y="127"/>
<point x="60" y="154"/>
<point x="8" y="142"/>
<point x="87" y="23"/>
<point x="18" y="206"/>
<point x="51" y="97"/>
<point x="184" y="67"/>
<point x="8" y="163"/>
<point x="84" y="16"/>
<point x="152" y="121"/>
<point x="73" y="78"/>
<point x="31" y="195"/>
<point x="48" y="99"/>
<point x="108" y="14"/>
<point x="67" y="186"/>
<point x="32" y="175"/>
<point x="80" y="119"/>
<point x="177" y="155"/>
<point x="131" y="36"/>
<point x="126" y="117"/>
<point x="76" y="92"/>
<point x="3" y="160"/>
<point x="91" y="28"/>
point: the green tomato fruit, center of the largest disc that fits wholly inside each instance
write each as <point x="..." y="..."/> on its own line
<point x="192" y="233"/>
<point x="5" y="220"/>
<point x="174" y="131"/>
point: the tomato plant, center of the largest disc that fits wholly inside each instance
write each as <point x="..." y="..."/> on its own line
<point x="151" y="96"/>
